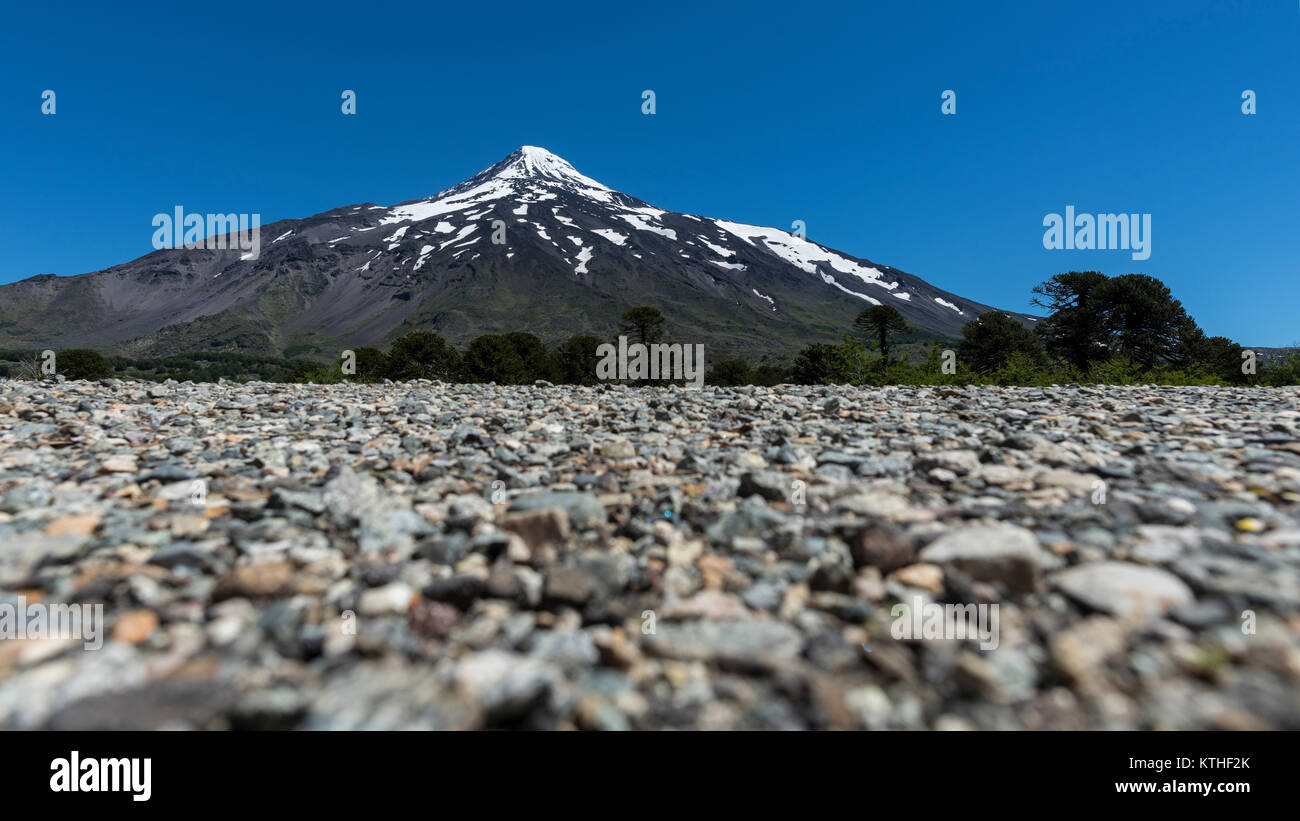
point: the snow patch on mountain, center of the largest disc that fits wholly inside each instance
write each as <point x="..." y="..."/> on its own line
<point x="830" y="280"/>
<point x="584" y="256"/>
<point x="640" y="223"/>
<point x="396" y="237"/>
<point x="717" y="249"/>
<point x="426" y="209"/>
<point x="806" y="255"/>
<point x="464" y="232"/>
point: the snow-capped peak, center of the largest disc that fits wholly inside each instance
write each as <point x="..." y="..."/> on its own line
<point x="531" y="162"/>
<point x="518" y="176"/>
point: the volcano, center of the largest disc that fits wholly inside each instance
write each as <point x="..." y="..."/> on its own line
<point x="529" y="244"/>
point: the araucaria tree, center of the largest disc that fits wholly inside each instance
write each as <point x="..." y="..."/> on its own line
<point x="879" y="321"/>
<point x="1073" y="331"/>
<point x="1096" y="318"/>
<point x="645" y="322"/>
<point x="1143" y="321"/>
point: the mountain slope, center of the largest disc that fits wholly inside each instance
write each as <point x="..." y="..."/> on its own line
<point x="570" y="256"/>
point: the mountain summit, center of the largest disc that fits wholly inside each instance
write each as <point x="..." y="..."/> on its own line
<point x="528" y="244"/>
<point x="531" y="162"/>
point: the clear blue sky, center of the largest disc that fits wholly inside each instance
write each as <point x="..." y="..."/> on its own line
<point x="767" y="113"/>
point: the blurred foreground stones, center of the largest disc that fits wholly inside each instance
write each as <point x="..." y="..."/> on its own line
<point x="456" y="557"/>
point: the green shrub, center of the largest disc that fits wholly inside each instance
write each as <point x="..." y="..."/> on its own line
<point x="769" y="375"/>
<point x="315" y="374"/>
<point x="993" y="338"/>
<point x="822" y="364"/>
<point x="423" y="355"/>
<point x="1021" y="368"/>
<point x="493" y="358"/>
<point x="82" y="363"/>
<point x="537" y="362"/>
<point x="372" y="364"/>
<point x="1286" y="372"/>
<point x="574" y="361"/>
<point x="728" y="372"/>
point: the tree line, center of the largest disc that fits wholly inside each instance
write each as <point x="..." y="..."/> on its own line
<point x="1099" y="330"/>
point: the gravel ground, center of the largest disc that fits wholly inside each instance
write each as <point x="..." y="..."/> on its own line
<point x="454" y="556"/>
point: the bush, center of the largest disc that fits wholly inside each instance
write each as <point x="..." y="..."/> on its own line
<point x="1286" y="372"/>
<point x="769" y="375"/>
<point x="1214" y="355"/>
<point x="729" y="372"/>
<point x="423" y="355"/>
<point x="991" y="340"/>
<point x="315" y="374"/>
<point x="821" y="364"/>
<point x="574" y="361"/>
<point x="81" y="363"/>
<point x="537" y="363"/>
<point x="372" y="365"/>
<point x="493" y="358"/>
<point x="1021" y="368"/>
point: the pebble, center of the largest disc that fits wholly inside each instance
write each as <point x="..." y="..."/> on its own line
<point x="927" y="577"/>
<point x="584" y="510"/>
<point x="134" y="626"/>
<point x="1123" y="589"/>
<point x="994" y="553"/>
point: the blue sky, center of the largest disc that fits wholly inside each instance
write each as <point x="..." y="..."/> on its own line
<point x="766" y="113"/>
